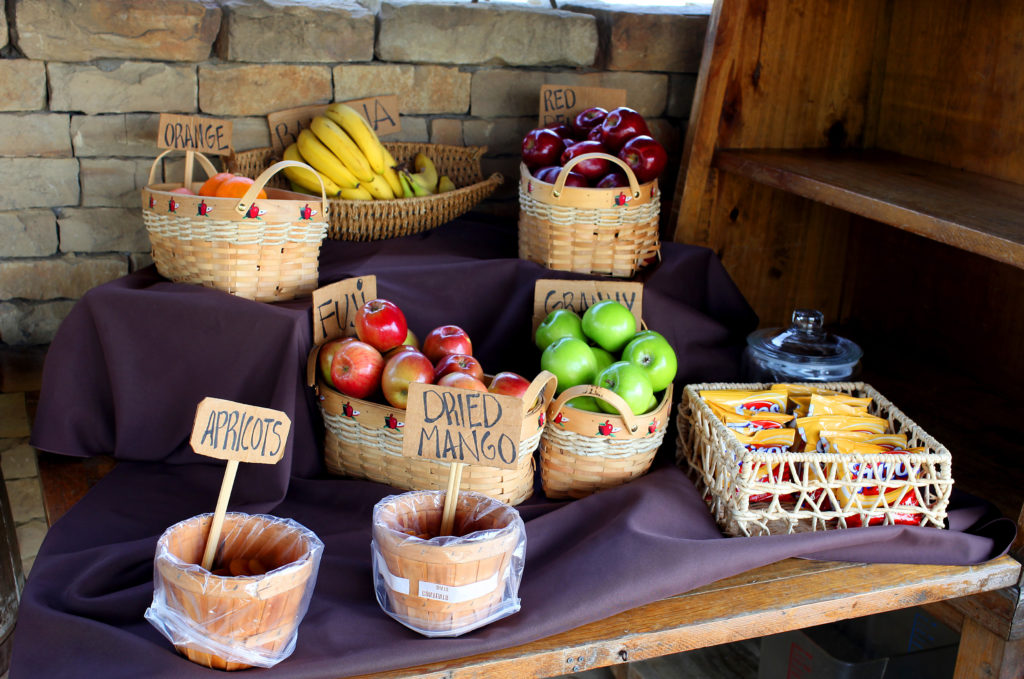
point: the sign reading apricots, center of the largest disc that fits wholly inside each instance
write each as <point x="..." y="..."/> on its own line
<point x="194" y="133"/>
<point x="381" y="112"/>
<point x="560" y="103"/>
<point x="236" y="431"/>
<point x="447" y="424"/>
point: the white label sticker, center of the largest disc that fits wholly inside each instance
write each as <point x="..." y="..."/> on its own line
<point x="397" y="584"/>
<point x="430" y="590"/>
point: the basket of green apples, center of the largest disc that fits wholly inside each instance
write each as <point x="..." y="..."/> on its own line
<point x="614" y="398"/>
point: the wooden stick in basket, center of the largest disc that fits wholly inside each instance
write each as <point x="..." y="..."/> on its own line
<point x="451" y="498"/>
<point x="237" y="433"/>
<point x="213" y="538"/>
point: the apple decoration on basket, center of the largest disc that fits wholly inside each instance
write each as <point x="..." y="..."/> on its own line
<point x="621" y="132"/>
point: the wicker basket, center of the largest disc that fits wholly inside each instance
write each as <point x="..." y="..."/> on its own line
<point x="587" y="230"/>
<point x="365" y="220"/>
<point x="364" y="439"/>
<point x="582" y="452"/>
<point x="449" y="585"/>
<point x="804" y="494"/>
<point x="261" y="249"/>
<point x="232" y="623"/>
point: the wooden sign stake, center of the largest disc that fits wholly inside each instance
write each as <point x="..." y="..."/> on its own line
<point x="218" y="515"/>
<point x="237" y="433"/>
<point x="451" y="498"/>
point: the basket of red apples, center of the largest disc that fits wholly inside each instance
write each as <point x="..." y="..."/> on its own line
<point x="363" y="382"/>
<point x="588" y="193"/>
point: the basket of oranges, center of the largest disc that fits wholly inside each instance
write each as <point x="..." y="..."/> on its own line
<point x="234" y="234"/>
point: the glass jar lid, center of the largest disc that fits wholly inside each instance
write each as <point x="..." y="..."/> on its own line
<point x="805" y="341"/>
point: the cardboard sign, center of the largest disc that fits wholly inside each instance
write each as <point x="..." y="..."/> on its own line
<point x="335" y="306"/>
<point x="194" y="133"/>
<point x="562" y="102"/>
<point x="453" y="425"/>
<point x="550" y="294"/>
<point x="236" y="431"/>
<point x="381" y="112"/>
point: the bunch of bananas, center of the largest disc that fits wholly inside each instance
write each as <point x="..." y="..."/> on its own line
<point x="344" y="151"/>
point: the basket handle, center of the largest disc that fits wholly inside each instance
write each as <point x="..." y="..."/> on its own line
<point x="250" y="195"/>
<point x="607" y="395"/>
<point x="634" y="185"/>
<point x="203" y="160"/>
<point x="538" y="388"/>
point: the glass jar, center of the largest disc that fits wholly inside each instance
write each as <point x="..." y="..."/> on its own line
<point x="803" y="352"/>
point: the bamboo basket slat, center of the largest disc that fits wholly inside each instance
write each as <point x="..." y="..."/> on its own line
<point x="583" y="452"/>
<point x="613" y="231"/>
<point x="261" y="249"/>
<point x="807" y="497"/>
<point x="368" y="220"/>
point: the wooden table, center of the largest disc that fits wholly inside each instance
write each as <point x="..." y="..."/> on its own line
<point x="983" y="601"/>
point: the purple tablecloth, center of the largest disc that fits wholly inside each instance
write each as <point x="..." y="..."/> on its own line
<point x="135" y="356"/>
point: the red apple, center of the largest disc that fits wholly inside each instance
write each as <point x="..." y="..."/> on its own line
<point x="444" y="340"/>
<point x="595" y="134"/>
<point x="458" y="363"/>
<point x="550" y="175"/>
<point x="509" y="384"/>
<point x="397" y="350"/>
<point x="592" y="168"/>
<point x="588" y="119"/>
<point x="621" y="125"/>
<point x="381" y="324"/>
<point x="542" y="146"/>
<point x="613" y="180"/>
<point x="462" y="381"/>
<point x="645" y="157"/>
<point x="400" y="371"/>
<point x="356" y="369"/>
<point x="561" y="128"/>
<point x="326" y="355"/>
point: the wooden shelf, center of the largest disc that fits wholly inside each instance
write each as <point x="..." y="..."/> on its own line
<point x="969" y="211"/>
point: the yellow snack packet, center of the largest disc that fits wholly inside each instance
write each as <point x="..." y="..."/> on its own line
<point x="745" y="402"/>
<point x="887" y="441"/>
<point x="748" y="424"/>
<point x="810" y="428"/>
<point x="769" y="441"/>
<point x="859" y="498"/>
<point x="837" y="404"/>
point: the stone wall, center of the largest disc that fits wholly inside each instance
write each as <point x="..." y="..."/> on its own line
<point x="82" y="83"/>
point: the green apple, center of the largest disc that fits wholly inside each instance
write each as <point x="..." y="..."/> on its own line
<point x="558" y="324"/>
<point x="571" y="360"/>
<point x="655" y="355"/>
<point x="604" y="358"/>
<point x="609" y="324"/>
<point x="628" y="381"/>
<point x="588" y="403"/>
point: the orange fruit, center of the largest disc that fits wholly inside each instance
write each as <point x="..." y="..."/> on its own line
<point x="236" y="188"/>
<point x="209" y="187"/>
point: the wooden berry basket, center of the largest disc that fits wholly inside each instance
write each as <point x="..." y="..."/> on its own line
<point x="612" y="231"/>
<point x="261" y="249"/>
<point x="234" y="622"/>
<point x="582" y="452"/>
<point x="367" y="220"/>
<point x="446" y="586"/>
<point x="806" y="497"/>
<point x="363" y="439"/>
